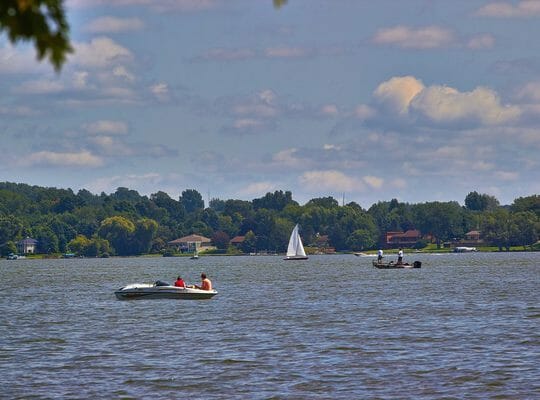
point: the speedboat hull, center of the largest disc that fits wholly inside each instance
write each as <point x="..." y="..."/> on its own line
<point x="138" y="291"/>
<point x="392" y="265"/>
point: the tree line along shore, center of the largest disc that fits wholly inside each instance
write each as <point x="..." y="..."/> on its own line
<point x="125" y="223"/>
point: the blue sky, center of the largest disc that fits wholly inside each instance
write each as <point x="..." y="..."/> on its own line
<point x="414" y="100"/>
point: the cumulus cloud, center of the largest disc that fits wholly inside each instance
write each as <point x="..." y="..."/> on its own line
<point x="429" y="37"/>
<point x="396" y="93"/>
<point x="523" y="9"/>
<point x="445" y="104"/>
<point x="100" y="52"/>
<point x="110" y="24"/>
<point x="330" y="180"/>
<point x="407" y="97"/>
<point x="63" y="159"/>
<point x="107" y="127"/>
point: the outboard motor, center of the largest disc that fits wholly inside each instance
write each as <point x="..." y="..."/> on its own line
<point x="417" y="264"/>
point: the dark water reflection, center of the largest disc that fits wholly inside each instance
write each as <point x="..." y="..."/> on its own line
<point x="464" y="326"/>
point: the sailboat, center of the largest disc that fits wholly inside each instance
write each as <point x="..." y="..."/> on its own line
<point x="295" y="251"/>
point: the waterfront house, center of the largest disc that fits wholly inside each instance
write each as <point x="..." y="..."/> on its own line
<point x="191" y="243"/>
<point x="27" y="246"/>
<point x="403" y="239"/>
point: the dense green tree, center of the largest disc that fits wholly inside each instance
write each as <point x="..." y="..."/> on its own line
<point x="192" y="200"/>
<point x="249" y="245"/>
<point x="325" y="202"/>
<point x="444" y="220"/>
<point x="221" y="240"/>
<point x="499" y="229"/>
<point x="360" y="239"/>
<point x="217" y="205"/>
<point x="7" y="248"/>
<point x="118" y="231"/>
<point x="528" y="228"/>
<point x="175" y="209"/>
<point x="47" y="241"/>
<point x="480" y="202"/>
<point x="144" y="234"/>
<point x="11" y="228"/>
<point x="529" y="203"/>
<point x="274" y="201"/>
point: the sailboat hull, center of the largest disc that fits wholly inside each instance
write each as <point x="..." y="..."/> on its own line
<point x="296" y="258"/>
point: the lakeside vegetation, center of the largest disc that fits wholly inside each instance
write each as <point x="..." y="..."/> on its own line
<point x="126" y="223"/>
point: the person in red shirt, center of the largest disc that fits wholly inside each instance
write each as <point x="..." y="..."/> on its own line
<point x="206" y="284"/>
<point x="179" y="282"/>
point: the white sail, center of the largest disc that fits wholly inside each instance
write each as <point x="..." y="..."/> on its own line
<point x="295" y="248"/>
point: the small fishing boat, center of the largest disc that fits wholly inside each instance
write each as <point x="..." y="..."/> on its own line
<point x="162" y="290"/>
<point x="295" y="250"/>
<point x="393" y="265"/>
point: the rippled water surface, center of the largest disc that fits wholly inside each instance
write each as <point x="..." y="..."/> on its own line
<point x="464" y="326"/>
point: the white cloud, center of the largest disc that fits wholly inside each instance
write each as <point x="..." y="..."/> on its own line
<point x="415" y="38"/>
<point x="122" y="72"/>
<point x="363" y="111"/>
<point x="483" y="41"/>
<point x="21" y="59"/>
<point x="246" y="123"/>
<point x="63" y="159"/>
<point x="108" y="24"/>
<point x="330" y="110"/>
<point x="445" y="104"/>
<point x="330" y="180"/>
<point x="287" y="157"/>
<point x="100" y="52"/>
<point x="407" y="97"/>
<point x="373" y="181"/>
<point x="507" y="176"/>
<point x="40" y="87"/>
<point x="331" y="147"/>
<point x="397" y="93"/>
<point x="160" y="91"/>
<point x="258" y="188"/>
<point x="109" y="184"/>
<point x="107" y="127"/>
<point x="523" y="9"/>
<point x="286" y="52"/>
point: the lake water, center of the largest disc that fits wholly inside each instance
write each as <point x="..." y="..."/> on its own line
<point x="464" y="326"/>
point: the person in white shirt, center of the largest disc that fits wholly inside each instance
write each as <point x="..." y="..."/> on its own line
<point x="380" y="256"/>
<point x="400" y="256"/>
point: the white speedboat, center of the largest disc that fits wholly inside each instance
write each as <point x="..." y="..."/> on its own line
<point x="162" y="290"/>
